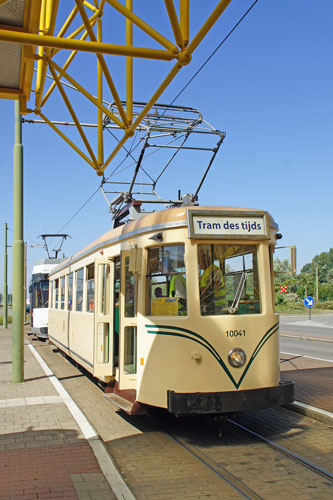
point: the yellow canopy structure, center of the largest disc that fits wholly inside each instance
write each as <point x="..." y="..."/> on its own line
<point x="70" y="28"/>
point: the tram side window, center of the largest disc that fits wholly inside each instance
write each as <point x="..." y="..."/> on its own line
<point x="130" y="349"/>
<point x="271" y="266"/>
<point x="79" y="289"/>
<point x="130" y="291"/>
<point x="62" y="292"/>
<point x="228" y="279"/>
<point x="116" y="311"/>
<point x="166" y="281"/>
<point x="90" y="287"/>
<point x="51" y="294"/>
<point x="104" y="279"/>
<point x="56" y="284"/>
<point x="70" y="291"/>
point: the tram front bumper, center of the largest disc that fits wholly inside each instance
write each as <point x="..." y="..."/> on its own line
<point x="228" y="402"/>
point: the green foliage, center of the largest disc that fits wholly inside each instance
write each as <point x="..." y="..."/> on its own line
<point x="9" y="319"/>
<point x="305" y="283"/>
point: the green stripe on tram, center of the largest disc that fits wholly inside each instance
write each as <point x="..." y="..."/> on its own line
<point x="176" y="331"/>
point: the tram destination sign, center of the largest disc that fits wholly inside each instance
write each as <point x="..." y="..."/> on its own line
<point x="227" y="225"/>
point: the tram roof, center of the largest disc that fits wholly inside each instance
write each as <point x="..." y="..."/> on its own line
<point x="155" y="221"/>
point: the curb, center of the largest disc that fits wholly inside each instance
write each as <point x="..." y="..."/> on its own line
<point x="322" y="416"/>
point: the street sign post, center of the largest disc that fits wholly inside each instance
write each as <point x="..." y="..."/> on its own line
<point x="309" y="303"/>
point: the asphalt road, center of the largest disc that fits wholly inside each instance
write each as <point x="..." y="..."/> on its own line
<point x="311" y="349"/>
<point x="320" y="327"/>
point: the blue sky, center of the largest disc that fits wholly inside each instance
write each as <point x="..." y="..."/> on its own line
<point x="269" y="88"/>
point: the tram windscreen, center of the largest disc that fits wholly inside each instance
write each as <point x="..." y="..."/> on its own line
<point x="228" y="279"/>
<point x="40" y="294"/>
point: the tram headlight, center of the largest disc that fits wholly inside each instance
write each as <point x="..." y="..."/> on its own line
<point x="237" y="357"/>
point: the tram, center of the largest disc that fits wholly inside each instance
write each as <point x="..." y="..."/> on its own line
<point x="39" y="296"/>
<point x="176" y="310"/>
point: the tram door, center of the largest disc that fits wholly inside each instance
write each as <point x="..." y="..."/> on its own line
<point x="104" y="364"/>
<point x="128" y="324"/>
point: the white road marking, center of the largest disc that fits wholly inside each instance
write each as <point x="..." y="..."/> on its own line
<point x="309" y="357"/>
<point x="116" y="482"/>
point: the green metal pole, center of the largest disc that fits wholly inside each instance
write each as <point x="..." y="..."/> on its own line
<point x="5" y="284"/>
<point x="18" y="256"/>
<point x="25" y="283"/>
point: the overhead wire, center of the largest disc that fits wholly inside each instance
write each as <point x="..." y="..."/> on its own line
<point x="172" y="102"/>
<point x="213" y="53"/>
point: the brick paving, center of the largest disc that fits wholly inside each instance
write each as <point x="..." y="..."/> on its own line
<point x="313" y="380"/>
<point x="43" y="472"/>
<point x="43" y="454"/>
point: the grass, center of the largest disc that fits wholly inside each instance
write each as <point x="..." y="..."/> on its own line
<point x="299" y="308"/>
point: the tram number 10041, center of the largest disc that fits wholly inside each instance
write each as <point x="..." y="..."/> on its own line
<point x="236" y="333"/>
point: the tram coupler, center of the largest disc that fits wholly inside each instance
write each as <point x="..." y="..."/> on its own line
<point x="221" y="421"/>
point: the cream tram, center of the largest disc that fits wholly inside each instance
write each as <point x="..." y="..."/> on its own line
<point x="176" y="310"/>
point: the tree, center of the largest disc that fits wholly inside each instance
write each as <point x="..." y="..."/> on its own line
<point x="307" y="278"/>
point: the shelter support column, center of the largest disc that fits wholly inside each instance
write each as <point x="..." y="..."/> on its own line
<point x="5" y="283"/>
<point x="18" y="256"/>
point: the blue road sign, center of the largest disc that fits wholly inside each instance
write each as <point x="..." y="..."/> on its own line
<point x="309" y="301"/>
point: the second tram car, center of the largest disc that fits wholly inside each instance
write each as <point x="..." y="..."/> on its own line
<point x="39" y="296"/>
<point x="176" y="310"/>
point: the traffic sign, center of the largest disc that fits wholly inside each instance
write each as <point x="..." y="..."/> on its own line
<point x="309" y="301"/>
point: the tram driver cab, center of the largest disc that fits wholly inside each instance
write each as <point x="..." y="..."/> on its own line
<point x="228" y="279"/>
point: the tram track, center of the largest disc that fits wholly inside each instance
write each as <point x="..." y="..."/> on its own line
<point x="237" y="483"/>
<point x="211" y="464"/>
<point x="289" y="453"/>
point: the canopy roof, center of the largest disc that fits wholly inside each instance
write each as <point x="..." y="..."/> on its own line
<point x="16" y="60"/>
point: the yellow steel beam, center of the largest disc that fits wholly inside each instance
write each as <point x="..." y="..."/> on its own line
<point x="40" y="49"/>
<point x="185" y="20"/>
<point x="31" y="23"/>
<point x="65" y="66"/>
<point x="93" y="47"/>
<point x="129" y="66"/>
<point x="113" y="154"/>
<point x="102" y="62"/>
<point x="100" y="154"/>
<point x="157" y="94"/>
<point x="6" y="93"/>
<point x="92" y="21"/>
<point x="50" y="15"/>
<point x="51" y="9"/>
<point x="148" y="106"/>
<point x="90" y="6"/>
<point x="68" y="21"/>
<point x="222" y="5"/>
<point x="174" y="23"/>
<point x="73" y="114"/>
<point x="71" y="143"/>
<point x="141" y="24"/>
<point x="87" y="94"/>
